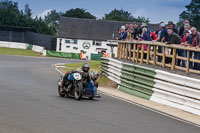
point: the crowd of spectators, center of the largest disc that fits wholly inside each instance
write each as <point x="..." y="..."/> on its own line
<point x="186" y="36"/>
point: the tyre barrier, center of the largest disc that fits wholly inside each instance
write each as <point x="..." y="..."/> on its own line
<point x="159" y="86"/>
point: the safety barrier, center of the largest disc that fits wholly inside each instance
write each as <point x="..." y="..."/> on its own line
<point x="61" y="54"/>
<point x="17" y="45"/>
<point x="163" y="87"/>
<point x="13" y="45"/>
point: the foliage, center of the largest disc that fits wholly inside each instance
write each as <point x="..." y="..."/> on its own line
<point x="13" y="17"/>
<point x="192" y="13"/>
<point x="121" y="15"/>
<point x="78" y="13"/>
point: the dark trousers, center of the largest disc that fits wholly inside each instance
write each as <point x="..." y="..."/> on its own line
<point x="197" y="57"/>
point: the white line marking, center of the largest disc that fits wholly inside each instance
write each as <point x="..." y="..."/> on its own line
<point x="140" y="105"/>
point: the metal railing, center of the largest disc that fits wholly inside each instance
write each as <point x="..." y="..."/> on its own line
<point x="134" y="51"/>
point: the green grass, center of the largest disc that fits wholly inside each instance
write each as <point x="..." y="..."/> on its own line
<point x="13" y="51"/>
<point x="94" y="65"/>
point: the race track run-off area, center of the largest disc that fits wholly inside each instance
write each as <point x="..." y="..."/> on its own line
<point x="29" y="103"/>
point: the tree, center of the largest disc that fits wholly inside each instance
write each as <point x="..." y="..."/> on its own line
<point x="52" y="19"/>
<point x="27" y="11"/>
<point x="9" y="13"/>
<point x="78" y="13"/>
<point x="143" y="19"/>
<point x="121" y="15"/>
<point x="192" y="13"/>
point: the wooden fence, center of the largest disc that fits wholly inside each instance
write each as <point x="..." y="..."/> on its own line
<point x="134" y="51"/>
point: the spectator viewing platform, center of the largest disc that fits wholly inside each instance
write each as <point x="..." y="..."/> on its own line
<point x="147" y="52"/>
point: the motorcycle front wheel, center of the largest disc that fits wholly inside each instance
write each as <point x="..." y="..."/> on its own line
<point x="78" y="90"/>
<point x="60" y="93"/>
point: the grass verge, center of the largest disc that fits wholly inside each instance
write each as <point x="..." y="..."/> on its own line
<point x="13" y="51"/>
<point x="94" y="65"/>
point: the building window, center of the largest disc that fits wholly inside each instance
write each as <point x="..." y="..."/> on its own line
<point x="71" y="41"/>
<point x="98" y="43"/>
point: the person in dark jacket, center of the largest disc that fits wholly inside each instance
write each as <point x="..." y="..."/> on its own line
<point x="174" y="38"/>
<point x="144" y="25"/>
<point x="137" y="31"/>
<point x="163" y="37"/>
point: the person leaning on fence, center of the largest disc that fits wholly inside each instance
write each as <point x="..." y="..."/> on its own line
<point x="145" y="37"/>
<point x="187" y="41"/>
<point x="144" y="25"/>
<point x="162" y="37"/>
<point x="123" y="33"/>
<point x="196" y="44"/>
<point x="174" y="38"/>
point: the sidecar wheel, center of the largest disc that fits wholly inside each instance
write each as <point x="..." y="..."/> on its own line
<point x="91" y="98"/>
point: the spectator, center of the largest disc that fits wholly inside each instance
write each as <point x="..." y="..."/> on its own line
<point x="187" y="41"/>
<point x="123" y="33"/>
<point x="181" y="31"/>
<point x="131" y="31"/>
<point x="174" y="38"/>
<point x="187" y="28"/>
<point x="137" y="31"/>
<point x="171" y="25"/>
<point x="144" y="25"/>
<point x="196" y="44"/>
<point x="145" y="37"/>
<point x="163" y="38"/>
<point x="153" y="36"/>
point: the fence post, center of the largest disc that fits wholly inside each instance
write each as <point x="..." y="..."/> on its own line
<point x="123" y="49"/>
<point x="134" y="48"/>
<point x="138" y="50"/>
<point x="173" y="59"/>
<point x="154" y="58"/>
<point x="148" y="53"/>
<point x="163" y="59"/>
<point x="130" y="51"/>
<point x="126" y="51"/>
<point x="118" y="50"/>
<point x="142" y="54"/>
<point x="188" y="61"/>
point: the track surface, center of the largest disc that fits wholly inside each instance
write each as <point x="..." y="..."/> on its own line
<point x="29" y="103"/>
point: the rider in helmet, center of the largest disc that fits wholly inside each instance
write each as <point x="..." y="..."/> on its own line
<point x="84" y="73"/>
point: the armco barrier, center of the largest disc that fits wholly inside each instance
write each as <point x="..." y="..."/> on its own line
<point x="13" y="45"/>
<point x="38" y="49"/>
<point x="159" y="86"/>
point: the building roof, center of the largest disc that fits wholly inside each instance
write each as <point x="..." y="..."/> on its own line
<point x="19" y="29"/>
<point x="90" y="29"/>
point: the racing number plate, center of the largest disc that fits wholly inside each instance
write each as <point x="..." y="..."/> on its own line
<point x="77" y="76"/>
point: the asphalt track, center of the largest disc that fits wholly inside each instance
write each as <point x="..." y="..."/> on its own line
<point x="29" y="103"/>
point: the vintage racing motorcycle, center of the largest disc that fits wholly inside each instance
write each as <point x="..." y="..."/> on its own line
<point x="75" y="87"/>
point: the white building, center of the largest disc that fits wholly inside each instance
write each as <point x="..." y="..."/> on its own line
<point x="87" y="35"/>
